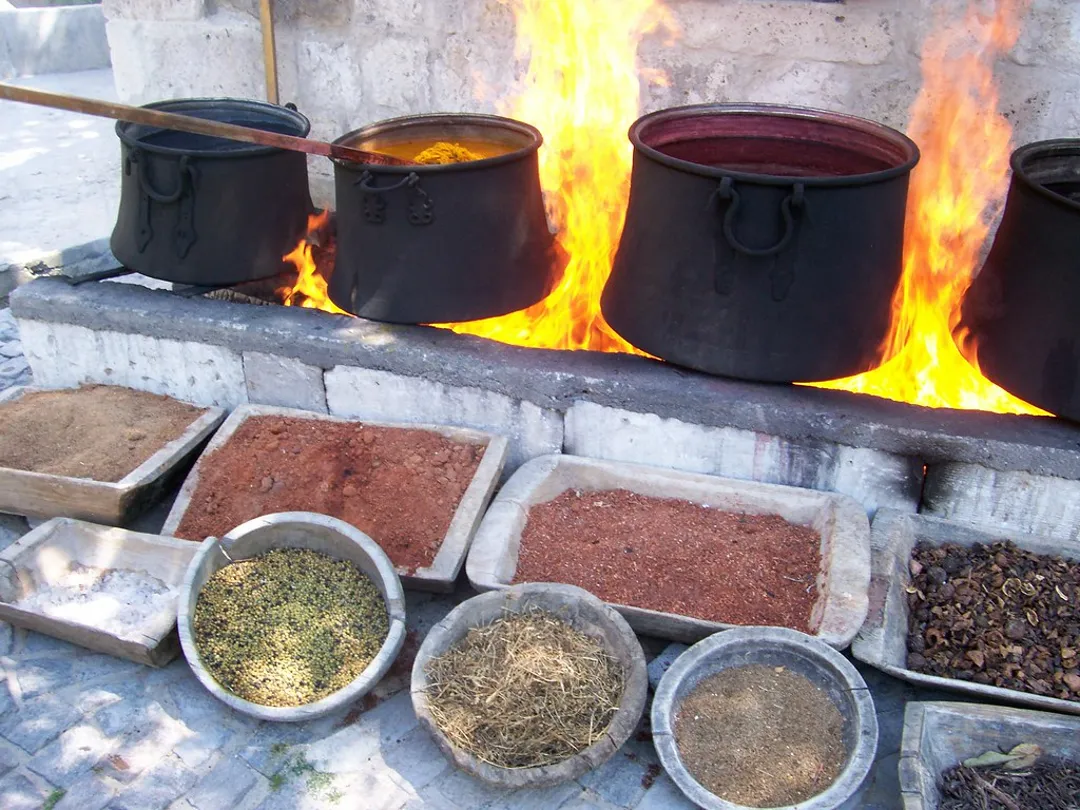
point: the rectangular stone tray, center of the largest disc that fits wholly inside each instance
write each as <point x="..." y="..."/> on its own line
<point x="882" y="641"/>
<point x="39" y="495"/>
<point x="47" y="551"/>
<point x="940" y="735"/>
<point x="841" y="522"/>
<point x="446" y="566"/>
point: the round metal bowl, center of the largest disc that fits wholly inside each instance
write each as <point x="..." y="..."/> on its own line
<point x="309" y="530"/>
<point x="584" y="612"/>
<point x="770" y="646"/>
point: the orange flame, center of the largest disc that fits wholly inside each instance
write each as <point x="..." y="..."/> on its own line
<point x="310" y="287"/>
<point x="956" y="192"/>
<point x="581" y="91"/>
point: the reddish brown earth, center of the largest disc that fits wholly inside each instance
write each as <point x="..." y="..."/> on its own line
<point x="399" y="486"/>
<point x="674" y="556"/>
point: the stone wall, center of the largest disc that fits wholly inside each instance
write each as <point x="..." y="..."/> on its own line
<point x="350" y="62"/>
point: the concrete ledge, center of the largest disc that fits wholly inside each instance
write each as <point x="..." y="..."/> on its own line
<point x="74" y="261"/>
<point x="556" y="380"/>
<point x="65" y="39"/>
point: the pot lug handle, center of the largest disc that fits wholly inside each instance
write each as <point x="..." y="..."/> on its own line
<point x="365" y="183"/>
<point x="790" y="210"/>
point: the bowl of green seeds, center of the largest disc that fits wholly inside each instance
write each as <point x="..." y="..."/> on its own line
<point x="291" y="616"/>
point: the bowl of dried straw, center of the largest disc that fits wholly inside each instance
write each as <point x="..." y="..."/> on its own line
<point x="530" y="686"/>
<point x="291" y="616"/>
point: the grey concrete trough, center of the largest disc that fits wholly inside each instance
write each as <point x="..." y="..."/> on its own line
<point x="882" y="641"/>
<point x="845" y="533"/>
<point x="444" y="569"/>
<point x="939" y="736"/>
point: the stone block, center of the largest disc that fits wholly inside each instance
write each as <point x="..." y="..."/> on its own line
<point x="87" y="794"/>
<point x="54" y="40"/>
<point x="1020" y="501"/>
<point x="157" y="788"/>
<point x="162" y="10"/>
<point x="64" y="356"/>
<point x="219" y="56"/>
<point x="225" y="786"/>
<point x="415" y="760"/>
<point x="664" y="795"/>
<point x="1050" y="35"/>
<point x="19" y="791"/>
<point x="329" y="62"/>
<point x="68" y="759"/>
<point x="538" y="798"/>
<point x="859" y="32"/>
<point x="274" y="380"/>
<point x="10" y="757"/>
<point x="806" y="83"/>
<point x="37" y="723"/>
<point x="395" y="15"/>
<point x="396" y="76"/>
<point x="384" y="396"/>
<point x="874" y="478"/>
<point x="662" y="663"/>
<point x="321" y="13"/>
<point x="36" y="677"/>
<point x="9" y="327"/>
<point x="342" y="751"/>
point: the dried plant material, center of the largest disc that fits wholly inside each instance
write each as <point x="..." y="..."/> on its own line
<point x="996" y="615"/>
<point x="761" y="736"/>
<point x="1047" y="784"/>
<point x="1020" y="756"/>
<point x="443" y="152"/>
<point x="289" y="627"/>
<point x="524" y="691"/>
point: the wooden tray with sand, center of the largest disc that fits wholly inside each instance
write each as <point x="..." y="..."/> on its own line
<point x="55" y="456"/>
<point x="419" y="491"/>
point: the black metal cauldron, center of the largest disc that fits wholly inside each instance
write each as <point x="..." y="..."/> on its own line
<point x="1023" y="309"/>
<point x="209" y="211"/>
<point x="442" y="243"/>
<point x="762" y="242"/>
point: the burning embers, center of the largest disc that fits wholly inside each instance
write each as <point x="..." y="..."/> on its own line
<point x="584" y="105"/>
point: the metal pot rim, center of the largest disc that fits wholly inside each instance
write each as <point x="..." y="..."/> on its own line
<point x="482" y="119"/>
<point x="879" y="130"/>
<point x="246" y="150"/>
<point x="1020" y="163"/>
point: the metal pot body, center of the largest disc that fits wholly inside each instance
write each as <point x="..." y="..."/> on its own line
<point x="442" y="243"/>
<point x="1022" y="308"/>
<point x="761" y="242"/>
<point x="208" y="211"/>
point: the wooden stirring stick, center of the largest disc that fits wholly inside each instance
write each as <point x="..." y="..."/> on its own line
<point x="198" y="126"/>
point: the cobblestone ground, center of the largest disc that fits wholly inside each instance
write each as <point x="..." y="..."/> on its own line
<point x="82" y="731"/>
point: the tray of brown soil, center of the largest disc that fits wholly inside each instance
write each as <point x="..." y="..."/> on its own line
<point x="418" y="490"/>
<point x="765" y="717"/>
<point x="1017" y="641"/>
<point x="940" y="736"/>
<point x="98" y="453"/>
<point x="680" y="555"/>
<point x="103" y="588"/>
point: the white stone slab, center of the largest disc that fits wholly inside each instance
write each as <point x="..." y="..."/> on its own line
<point x="283" y="381"/>
<point x="938" y="736"/>
<point x="882" y="641"/>
<point x="446" y="566"/>
<point x="370" y="394"/>
<point x="64" y="356"/>
<point x="844" y="530"/>
<point x="872" y="477"/>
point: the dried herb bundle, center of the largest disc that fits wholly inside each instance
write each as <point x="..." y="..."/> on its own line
<point x="524" y="691"/>
<point x="996" y="615"/>
<point x="1046" y="785"/>
<point x="289" y="627"/>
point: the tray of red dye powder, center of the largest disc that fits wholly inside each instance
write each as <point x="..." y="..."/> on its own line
<point x="680" y="555"/>
<point x="418" y="490"/>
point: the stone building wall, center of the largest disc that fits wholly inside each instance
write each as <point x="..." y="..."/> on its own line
<point x="346" y="63"/>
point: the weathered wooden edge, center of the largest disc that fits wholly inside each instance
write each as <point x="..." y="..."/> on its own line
<point x="882" y="641"/>
<point x="926" y="723"/>
<point x="494" y="555"/>
<point x="161" y="644"/>
<point x="116" y="503"/>
<point x="566" y="601"/>
<point x="213" y="554"/>
<point x="441" y="575"/>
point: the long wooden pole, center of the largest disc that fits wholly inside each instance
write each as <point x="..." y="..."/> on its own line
<point x="266" y="13"/>
<point x="199" y="126"/>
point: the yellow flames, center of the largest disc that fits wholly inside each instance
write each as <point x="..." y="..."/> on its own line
<point x="956" y="190"/>
<point x="581" y="91"/>
<point x="310" y="287"/>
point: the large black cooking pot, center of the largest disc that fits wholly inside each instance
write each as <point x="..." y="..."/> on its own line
<point x="1023" y="309"/>
<point x="439" y="243"/>
<point x="761" y="242"/>
<point x="201" y="210"/>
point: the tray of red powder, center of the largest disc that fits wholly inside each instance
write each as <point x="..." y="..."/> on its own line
<point x="680" y="555"/>
<point x="418" y="490"/>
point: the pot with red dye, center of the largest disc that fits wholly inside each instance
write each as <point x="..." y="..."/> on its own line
<point x="762" y="242"/>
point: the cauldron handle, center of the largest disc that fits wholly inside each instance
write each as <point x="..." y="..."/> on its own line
<point x="792" y="205"/>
